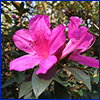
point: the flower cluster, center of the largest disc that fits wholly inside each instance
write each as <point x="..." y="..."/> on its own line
<point x="45" y="46"/>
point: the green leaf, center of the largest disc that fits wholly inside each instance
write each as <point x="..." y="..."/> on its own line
<point x="25" y="10"/>
<point x="25" y="88"/>
<point x="93" y="95"/>
<point x="9" y="20"/>
<point x="21" y="6"/>
<point x="60" y="91"/>
<point x="80" y="75"/>
<point x="59" y="79"/>
<point x="29" y="96"/>
<point x="77" y="95"/>
<point x="47" y="95"/>
<point x="8" y="93"/>
<point x="39" y="85"/>
<point x="19" y="76"/>
<point x="8" y="82"/>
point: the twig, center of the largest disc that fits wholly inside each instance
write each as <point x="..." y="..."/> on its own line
<point x="6" y="57"/>
<point x="96" y="26"/>
<point x="75" y="88"/>
<point x="70" y="78"/>
<point x="74" y="5"/>
<point x="93" y="33"/>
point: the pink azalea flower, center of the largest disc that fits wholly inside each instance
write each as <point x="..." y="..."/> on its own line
<point x="46" y="46"/>
<point x="79" y="38"/>
<point x="40" y="42"/>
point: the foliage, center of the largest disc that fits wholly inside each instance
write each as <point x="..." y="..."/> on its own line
<point x="74" y="82"/>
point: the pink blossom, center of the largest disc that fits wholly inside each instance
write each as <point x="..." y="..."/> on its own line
<point x="13" y="16"/>
<point x="79" y="38"/>
<point x="40" y="42"/>
<point x="45" y="46"/>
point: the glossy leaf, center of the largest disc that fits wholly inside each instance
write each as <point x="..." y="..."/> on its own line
<point x="19" y="76"/>
<point x="25" y="88"/>
<point x="80" y="75"/>
<point x="8" y="82"/>
<point x="47" y="95"/>
<point x="25" y="10"/>
<point x="29" y="95"/>
<point x="21" y="6"/>
<point x="39" y="85"/>
<point x="60" y="91"/>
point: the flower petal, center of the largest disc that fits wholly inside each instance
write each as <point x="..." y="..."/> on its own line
<point x="73" y="25"/>
<point x="57" y="38"/>
<point x="40" y="34"/>
<point x="46" y="64"/>
<point x="81" y="39"/>
<point x="23" y="63"/>
<point x="39" y="25"/>
<point x="88" y="61"/>
<point x="22" y="40"/>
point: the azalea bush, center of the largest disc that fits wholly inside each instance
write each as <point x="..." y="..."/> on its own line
<point x="50" y="50"/>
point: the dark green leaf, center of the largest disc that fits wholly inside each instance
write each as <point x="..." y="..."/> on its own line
<point x="60" y="91"/>
<point x="93" y="95"/>
<point x="29" y="95"/>
<point x="46" y="95"/>
<point x="8" y="82"/>
<point x="25" y="10"/>
<point x="76" y="94"/>
<point x="95" y="79"/>
<point x="21" y="6"/>
<point x="25" y="88"/>
<point x="8" y="93"/>
<point x="39" y="85"/>
<point x="19" y="76"/>
<point x="86" y="95"/>
<point x="80" y="75"/>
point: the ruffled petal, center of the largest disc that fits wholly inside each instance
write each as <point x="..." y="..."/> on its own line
<point x="86" y="42"/>
<point x="22" y="40"/>
<point x="88" y="61"/>
<point x="73" y="25"/>
<point x="81" y="39"/>
<point x="25" y="62"/>
<point x="34" y="21"/>
<point x="57" y="38"/>
<point x="40" y="34"/>
<point x="39" y="25"/>
<point x="46" y="64"/>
